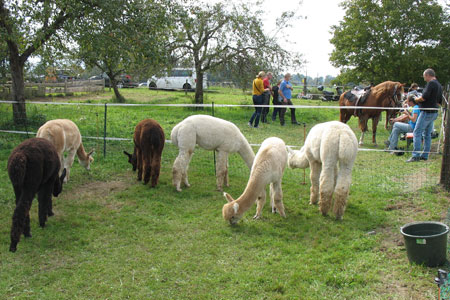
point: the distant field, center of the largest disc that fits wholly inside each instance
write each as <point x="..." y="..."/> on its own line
<point x="115" y="238"/>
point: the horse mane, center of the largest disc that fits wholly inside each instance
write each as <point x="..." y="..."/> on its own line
<point x="385" y="87"/>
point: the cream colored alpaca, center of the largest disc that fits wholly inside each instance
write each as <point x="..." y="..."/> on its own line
<point x="209" y="133"/>
<point x="269" y="165"/>
<point x="326" y="145"/>
<point x="65" y="135"/>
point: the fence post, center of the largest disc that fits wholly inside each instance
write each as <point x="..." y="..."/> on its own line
<point x="445" y="167"/>
<point x="214" y="151"/>
<point x="104" y="132"/>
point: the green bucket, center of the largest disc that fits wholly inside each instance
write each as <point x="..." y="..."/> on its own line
<point x="426" y="242"/>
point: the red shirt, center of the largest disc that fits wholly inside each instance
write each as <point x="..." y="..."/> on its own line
<point x="266" y="83"/>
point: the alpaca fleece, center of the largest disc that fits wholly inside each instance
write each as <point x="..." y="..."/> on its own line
<point x="33" y="168"/>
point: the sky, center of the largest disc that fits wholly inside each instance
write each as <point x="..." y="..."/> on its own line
<point x="309" y="35"/>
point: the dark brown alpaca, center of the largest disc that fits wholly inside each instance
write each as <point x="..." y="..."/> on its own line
<point x="148" y="145"/>
<point x="33" y="168"/>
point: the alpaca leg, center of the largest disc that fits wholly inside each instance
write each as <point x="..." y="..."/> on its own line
<point x="44" y="198"/>
<point x="260" y="204"/>
<point x="341" y="191"/>
<point x="139" y="163"/>
<point x="147" y="168"/>
<point x="68" y="163"/>
<point x="277" y="197"/>
<point x="19" y="218"/>
<point x="221" y="169"/>
<point x="27" y="227"/>
<point x="272" y="203"/>
<point x="156" y="166"/>
<point x="185" y="173"/>
<point x="179" y="170"/>
<point x="316" y="168"/>
<point x="326" y="189"/>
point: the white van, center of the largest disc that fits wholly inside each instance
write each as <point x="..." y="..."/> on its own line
<point x="177" y="78"/>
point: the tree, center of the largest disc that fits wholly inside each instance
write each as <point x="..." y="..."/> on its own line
<point x="390" y="40"/>
<point x="27" y="25"/>
<point x="227" y="36"/>
<point x="122" y="36"/>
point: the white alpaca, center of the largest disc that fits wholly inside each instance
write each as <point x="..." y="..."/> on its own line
<point x="65" y="136"/>
<point x="268" y="167"/>
<point x="209" y="133"/>
<point x="326" y="145"/>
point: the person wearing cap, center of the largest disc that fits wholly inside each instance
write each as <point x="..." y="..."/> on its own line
<point x="258" y="90"/>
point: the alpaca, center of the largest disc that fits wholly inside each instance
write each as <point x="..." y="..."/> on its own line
<point x="326" y="145"/>
<point x="268" y="167"/>
<point x="209" y="133"/>
<point x="33" y="167"/>
<point x="65" y="136"/>
<point x="148" y="146"/>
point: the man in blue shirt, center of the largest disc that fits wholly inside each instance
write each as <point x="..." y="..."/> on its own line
<point x="431" y="98"/>
<point x="285" y="92"/>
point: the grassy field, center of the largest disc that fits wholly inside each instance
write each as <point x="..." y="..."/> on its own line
<point x="115" y="238"/>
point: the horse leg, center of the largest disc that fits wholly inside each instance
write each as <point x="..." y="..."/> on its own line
<point x="374" y="129"/>
<point x="363" y="126"/>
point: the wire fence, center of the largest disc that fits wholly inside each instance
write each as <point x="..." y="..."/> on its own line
<point x="108" y="128"/>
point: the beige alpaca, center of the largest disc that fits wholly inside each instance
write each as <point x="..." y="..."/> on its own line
<point x="65" y="136"/>
<point x="268" y="167"/>
<point x="209" y="133"/>
<point x="326" y="145"/>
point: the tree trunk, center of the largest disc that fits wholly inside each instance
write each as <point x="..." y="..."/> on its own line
<point x="199" y="88"/>
<point x="18" y="91"/>
<point x="119" y="97"/>
<point x="445" y="167"/>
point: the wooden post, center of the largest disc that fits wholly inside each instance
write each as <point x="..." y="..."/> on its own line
<point x="445" y="167"/>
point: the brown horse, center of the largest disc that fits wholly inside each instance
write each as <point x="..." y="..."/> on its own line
<point x="385" y="94"/>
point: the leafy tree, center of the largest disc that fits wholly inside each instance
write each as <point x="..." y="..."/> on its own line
<point x="27" y="25"/>
<point x="225" y="36"/>
<point x="122" y="36"/>
<point x="390" y="40"/>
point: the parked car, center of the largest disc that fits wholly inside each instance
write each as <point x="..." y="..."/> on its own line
<point x="177" y="78"/>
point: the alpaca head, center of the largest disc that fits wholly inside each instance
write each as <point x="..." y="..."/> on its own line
<point x="297" y="159"/>
<point x="87" y="163"/>
<point x="131" y="159"/>
<point x="57" y="186"/>
<point x="230" y="211"/>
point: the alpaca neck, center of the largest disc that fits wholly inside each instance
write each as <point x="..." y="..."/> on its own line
<point x="82" y="155"/>
<point x="247" y="154"/>
<point x="302" y="159"/>
<point x="252" y="191"/>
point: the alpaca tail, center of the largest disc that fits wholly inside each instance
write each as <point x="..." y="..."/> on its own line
<point x="17" y="168"/>
<point x="174" y="136"/>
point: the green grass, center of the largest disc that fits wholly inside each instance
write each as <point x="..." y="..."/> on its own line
<point x="115" y="238"/>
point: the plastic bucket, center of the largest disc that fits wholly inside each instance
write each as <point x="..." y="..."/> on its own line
<point x="426" y="242"/>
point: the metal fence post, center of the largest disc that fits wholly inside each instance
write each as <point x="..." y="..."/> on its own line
<point x="445" y="167"/>
<point x="104" y="131"/>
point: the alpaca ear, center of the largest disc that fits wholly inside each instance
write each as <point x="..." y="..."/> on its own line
<point x="90" y="152"/>
<point x="228" y="197"/>
<point x="127" y="154"/>
<point x="290" y="151"/>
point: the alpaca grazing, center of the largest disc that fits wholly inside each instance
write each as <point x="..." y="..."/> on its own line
<point x="33" y="167"/>
<point x="326" y="145"/>
<point x="65" y="136"/>
<point x="148" y="145"/>
<point x="268" y="167"/>
<point x="209" y="133"/>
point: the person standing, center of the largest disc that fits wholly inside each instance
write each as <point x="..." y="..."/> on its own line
<point x="276" y="101"/>
<point x="431" y="98"/>
<point x="285" y="92"/>
<point x="258" y="90"/>
<point x="266" y="97"/>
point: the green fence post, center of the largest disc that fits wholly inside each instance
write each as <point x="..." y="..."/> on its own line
<point x="104" y="132"/>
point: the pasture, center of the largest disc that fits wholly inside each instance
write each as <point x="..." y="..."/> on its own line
<point x="115" y="238"/>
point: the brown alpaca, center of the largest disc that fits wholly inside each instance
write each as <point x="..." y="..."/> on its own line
<point x="33" y="167"/>
<point x="148" y="145"/>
